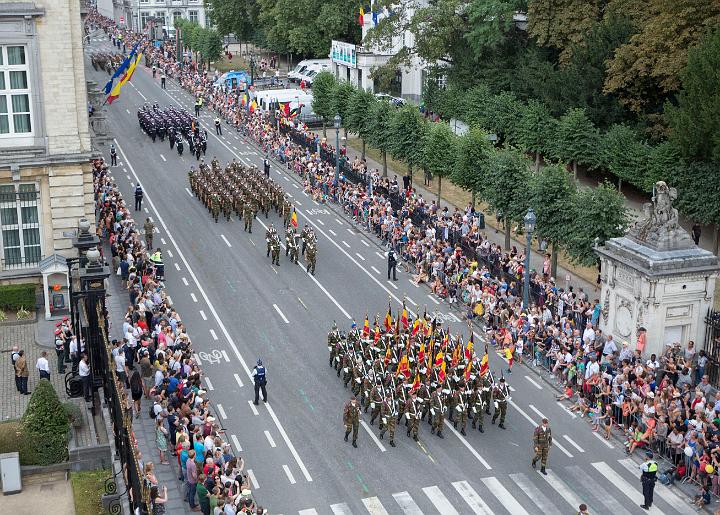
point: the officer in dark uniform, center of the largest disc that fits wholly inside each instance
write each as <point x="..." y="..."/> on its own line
<point x="180" y="145"/>
<point x="218" y="126"/>
<point x="138" y="197"/>
<point x="649" y="470"/>
<point x="266" y="167"/>
<point x="113" y="156"/>
<point x="392" y="265"/>
<point x="258" y="375"/>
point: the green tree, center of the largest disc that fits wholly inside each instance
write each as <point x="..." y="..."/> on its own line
<point x="360" y="108"/>
<point x="575" y="139"/>
<point x="323" y="103"/>
<point x="211" y="45"/>
<point x="623" y="154"/>
<point x="695" y="122"/>
<point x="535" y="130"/>
<point x="407" y="131"/>
<point x="598" y="215"/>
<point x="506" y="191"/>
<point x="439" y="151"/>
<point x="504" y="113"/>
<point x="341" y="101"/>
<point x="551" y="196"/>
<point x="380" y="129"/>
<point x="473" y="155"/>
<point x="662" y="164"/>
<point x="697" y="186"/>
<point x="45" y="427"/>
<point x="237" y="17"/>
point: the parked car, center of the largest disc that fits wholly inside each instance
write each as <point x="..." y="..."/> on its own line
<point x="396" y="101"/>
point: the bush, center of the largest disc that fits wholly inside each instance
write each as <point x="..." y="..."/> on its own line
<point x="45" y="428"/>
<point x="34" y="449"/>
<point x="10" y="436"/>
<point x="14" y="296"/>
<point x="73" y="413"/>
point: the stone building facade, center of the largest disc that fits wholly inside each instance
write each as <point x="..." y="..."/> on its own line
<point x="45" y="149"/>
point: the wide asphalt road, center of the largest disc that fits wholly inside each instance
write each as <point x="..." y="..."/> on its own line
<point x="239" y="308"/>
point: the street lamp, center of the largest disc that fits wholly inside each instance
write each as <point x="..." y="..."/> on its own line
<point x="530" y="220"/>
<point x="338" y="121"/>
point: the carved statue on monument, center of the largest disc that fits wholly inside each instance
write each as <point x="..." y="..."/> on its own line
<point x="660" y="228"/>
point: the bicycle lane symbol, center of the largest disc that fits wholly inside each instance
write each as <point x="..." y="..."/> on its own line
<point x="212" y="358"/>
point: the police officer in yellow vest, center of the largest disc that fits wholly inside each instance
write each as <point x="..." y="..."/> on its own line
<point x="649" y="470"/>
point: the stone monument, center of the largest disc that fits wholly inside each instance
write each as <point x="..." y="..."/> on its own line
<point x="656" y="278"/>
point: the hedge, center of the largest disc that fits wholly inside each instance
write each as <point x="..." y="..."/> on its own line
<point x="15" y="296"/>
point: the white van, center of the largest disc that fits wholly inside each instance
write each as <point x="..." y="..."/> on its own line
<point x="309" y="75"/>
<point x="303" y="66"/>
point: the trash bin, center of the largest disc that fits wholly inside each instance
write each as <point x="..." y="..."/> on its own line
<point x="10" y="471"/>
<point x="481" y="221"/>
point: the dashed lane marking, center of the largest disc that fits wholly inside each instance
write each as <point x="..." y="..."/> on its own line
<point x="375" y="269"/>
<point x="239" y="380"/>
<point x="185" y="281"/>
<point x="572" y="442"/>
<point x="282" y="315"/>
<point x="433" y="299"/>
<point x="338" y="221"/>
<point x="209" y="384"/>
<point x="346" y="244"/>
<point x="188" y="192"/>
<point x="177" y="267"/>
<point x="253" y="408"/>
<point x="225" y="355"/>
<point x="236" y="442"/>
<point x="533" y="383"/>
<point x="221" y="410"/>
<point x="214" y="336"/>
<point x="193" y="297"/>
<point x="270" y="438"/>
<point x="332" y="232"/>
<point x="169" y="253"/>
<point x="162" y="240"/>
<point x="360" y="256"/>
<point x="202" y="314"/>
<point x="289" y="474"/>
<point x="320" y="222"/>
<point x="162" y="157"/>
<point x="225" y="240"/>
<point x="253" y="479"/>
<point x="365" y="243"/>
<point x="372" y="436"/>
<point x="392" y="283"/>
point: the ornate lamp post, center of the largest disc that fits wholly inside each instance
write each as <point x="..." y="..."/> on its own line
<point x="530" y="220"/>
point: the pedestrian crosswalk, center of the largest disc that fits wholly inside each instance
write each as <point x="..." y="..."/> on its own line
<point x="604" y="487"/>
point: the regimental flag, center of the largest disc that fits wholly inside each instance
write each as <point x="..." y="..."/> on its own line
<point x="429" y="329"/>
<point x="115" y="93"/>
<point x="404" y="317"/>
<point x="431" y="347"/>
<point x="416" y="383"/>
<point x="361" y="16"/>
<point x="388" y="355"/>
<point x="441" y="373"/>
<point x="484" y="363"/>
<point x="446" y="340"/>
<point x="421" y="353"/>
<point x="244" y="100"/>
<point x="294" y="112"/>
<point x="455" y="356"/>
<point x="366" y="327"/>
<point x="388" y="319"/>
<point x="469" y="350"/>
<point x="439" y="358"/>
<point x="377" y="333"/>
<point x="284" y="108"/>
<point x="253" y="106"/>
<point x="404" y="366"/>
<point x="416" y="327"/>
<point x="293" y="219"/>
<point x="468" y="371"/>
<point x="121" y="69"/>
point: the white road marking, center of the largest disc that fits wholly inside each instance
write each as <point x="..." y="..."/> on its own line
<point x="270" y="438"/>
<point x="391" y="283"/>
<point x="621" y="484"/>
<point x="340" y="509"/>
<point x="288" y="473"/>
<point x="562" y="406"/>
<point x="468" y="446"/>
<point x="415" y="303"/>
<point x="375" y="269"/>
<point x="320" y="222"/>
<point x="209" y="384"/>
<point x="413" y="283"/>
<point x="374" y="506"/>
<point x="214" y="336"/>
<point x="128" y="111"/>
<point x="280" y="428"/>
<point x="253" y="479"/>
<point x="358" y="255"/>
<point x="439" y="500"/>
<point x="202" y="314"/>
<point x="506" y="498"/>
<point x="169" y="253"/>
<point x="332" y="232"/>
<point x="432" y="298"/>
<point x="163" y="157"/>
<point x="286" y="178"/>
<point x="562" y="489"/>
<point x="169" y="299"/>
<point x="607" y="444"/>
<point x="189" y="192"/>
<point x="162" y="240"/>
<point x="185" y="281"/>
<point x="225" y="240"/>
<point x="197" y="359"/>
<point x="537" y="411"/>
<point x="225" y="355"/>
<point x="530" y="379"/>
<point x="524" y="484"/>
<point x="146" y="210"/>
<point x="221" y="410"/>
<point x="193" y="297"/>
<point x="294" y="185"/>
<point x="311" y="511"/>
<point x="239" y="381"/>
<point x="608" y="500"/>
<point x="236" y="442"/>
<point x="534" y="424"/>
<point x="128" y="177"/>
<point x="253" y="408"/>
<point x="372" y="436"/>
<point x="379" y="255"/>
<point x="281" y="314"/>
<point x="346" y="244"/>
<point x="666" y="494"/>
<point x="350" y="231"/>
<point x="572" y="442"/>
<point x="365" y="243"/>
<point x="298" y="203"/>
<point x="407" y="504"/>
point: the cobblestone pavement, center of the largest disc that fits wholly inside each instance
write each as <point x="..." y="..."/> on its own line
<point x="13" y="404"/>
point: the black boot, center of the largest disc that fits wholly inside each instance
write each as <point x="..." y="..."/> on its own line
<point x="415" y="438"/>
<point x="346" y="435"/>
<point x="381" y="435"/>
<point x="462" y="432"/>
<point x="392" y="443"/>
<point x="408" y="432"/>
<point x="542" y="471"/>
<point x="354" y="444"/>
<point x="481" y="429"/>
<point x="502" y="426"/>
<point x="440" y="435"/>
<point x="455" y="424"/>
<point x="533" y="464"/>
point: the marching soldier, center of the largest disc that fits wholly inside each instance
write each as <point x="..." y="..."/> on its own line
<point x="149" y="228"/>
<point x="542" y="440"/>
<point x="423" y="398"/>
<point x="351" y="419"/>
<point x="180" y="146"/>
<point x="333" y="344"/>
<point x="310" y="257"/>
<point x="275" y="249"/>
<point x="388" y="414"/>
<point x="487" y="383"/>
<point x="375" y="402"/>
<point x="248" y="215"/>
<point x="227" y="206"/>
<point x="304" y="235"/>
<point x="413" y="416"/>
<point x="461" y="416"/>
<point x="437" y="410"/>
<point x="501" y="394"/>
<point x="477" y="406"/>
<point x="215" y="206"/>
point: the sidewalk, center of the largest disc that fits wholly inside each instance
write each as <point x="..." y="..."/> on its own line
<point x="41" y="493"/>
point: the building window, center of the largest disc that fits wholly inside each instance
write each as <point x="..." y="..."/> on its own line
<point x="144" y="17"/>
<point x="144" y="1"/>
<point x="20" y="224"/>
<point x="177" y="15"/>
<point x="193" y="16"/>
<point x="15" y="112"/>
<point x="160" y="19"/>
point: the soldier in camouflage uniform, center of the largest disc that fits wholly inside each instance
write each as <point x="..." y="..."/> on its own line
<point x="542" y="440"/>
<point x="501" y="394"/>
<point x="215" y="206"/>
<point x="351" y="419"/>
<point x="388" y="415"/>
<point x="375" y="402"/>
<point x="437" y="410"/>
<point x="477" y="407"/>
<point x="248" y="215"/>
<point x="413" y="415"/>
<point x="311" y="257"/>
<point x="275" y="249"/>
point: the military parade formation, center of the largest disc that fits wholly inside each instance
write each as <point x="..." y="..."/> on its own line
<point x="415" y="371"/>
<point x="246" y="192"/>
<point x="177" y="124"/>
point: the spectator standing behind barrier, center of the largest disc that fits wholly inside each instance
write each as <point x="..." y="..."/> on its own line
<point x="260" y="379"/>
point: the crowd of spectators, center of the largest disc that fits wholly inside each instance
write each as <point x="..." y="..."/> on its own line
<point x="154" y="360"/>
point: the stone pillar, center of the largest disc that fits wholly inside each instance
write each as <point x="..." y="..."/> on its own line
<point x="656" y="278"/>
